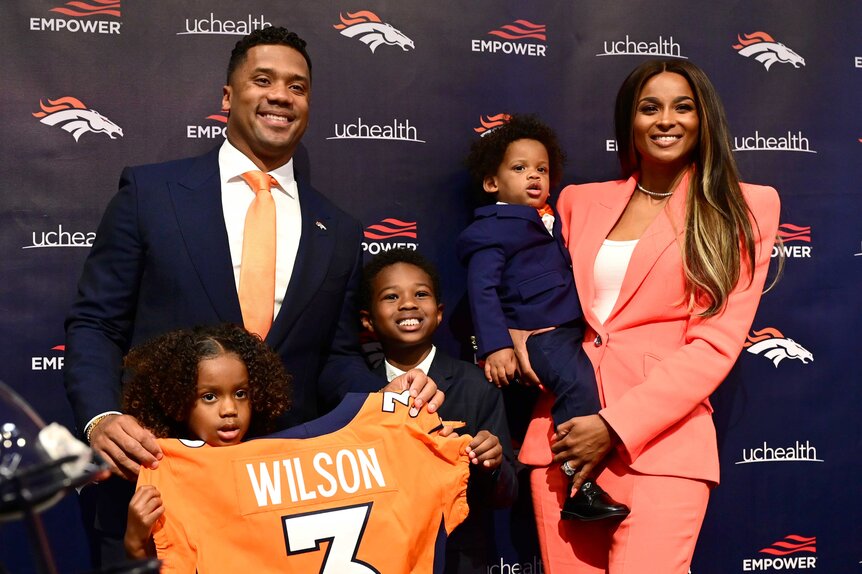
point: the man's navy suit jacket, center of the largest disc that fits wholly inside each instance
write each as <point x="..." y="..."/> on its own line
<point x="161" y="261"/>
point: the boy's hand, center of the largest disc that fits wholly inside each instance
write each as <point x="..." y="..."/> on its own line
<point x="145" y="508"/>
<point x="422" y="388"/>
<point x="500" y="367"/>
<point x="485" y="450"/>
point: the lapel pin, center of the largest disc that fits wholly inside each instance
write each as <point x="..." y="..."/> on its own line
<point x="320" y="225"/>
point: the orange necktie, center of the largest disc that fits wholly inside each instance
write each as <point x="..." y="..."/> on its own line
<point x="257" y="269"/>
<point x="548" y="222"/>
<point x="545" y="210"/>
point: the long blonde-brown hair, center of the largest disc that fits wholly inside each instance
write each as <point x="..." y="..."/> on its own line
<point x="718" y="231"/>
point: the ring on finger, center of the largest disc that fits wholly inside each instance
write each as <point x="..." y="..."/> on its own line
<point x="568" y="469"/>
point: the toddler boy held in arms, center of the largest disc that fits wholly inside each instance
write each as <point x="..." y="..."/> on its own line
<point x="519" y="277"/>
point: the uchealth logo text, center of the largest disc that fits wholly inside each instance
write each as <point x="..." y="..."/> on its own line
<point x="661" y="46"/>
<point x="217" y="129"/>
<point x="763" y="48"/>
<point x="50" y="362"/>
<point x="534" y="566"/>
<point x="773" y="345"/>
<point x="70" y="114"/>
<point x="521" y="37"/>
<point x="487" y="124"/>
<point x="61" y="238"/>
<point x="84" y="16"/>
<point x="798" y="452"/>
<point x="398" y="130"/>
<point x="368" y="28"/>
<point x="793" y="552"/>
<point x="795" y="241"/>
<point x="212" y="25"/>
<point x="390" y="233"/>
<point x="785" y="142"/>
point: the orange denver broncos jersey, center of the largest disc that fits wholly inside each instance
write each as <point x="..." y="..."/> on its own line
<point x="365" y="489"/>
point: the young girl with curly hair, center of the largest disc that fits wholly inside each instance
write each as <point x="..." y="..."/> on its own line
<point x="216" y="384"/>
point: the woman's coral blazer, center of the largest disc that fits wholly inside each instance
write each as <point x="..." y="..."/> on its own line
<point x="656" y="363"/>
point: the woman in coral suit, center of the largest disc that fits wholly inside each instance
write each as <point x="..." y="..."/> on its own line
<point x="670" y="263"/>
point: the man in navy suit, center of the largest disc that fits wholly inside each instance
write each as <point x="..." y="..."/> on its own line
<point x="167" y="255"/>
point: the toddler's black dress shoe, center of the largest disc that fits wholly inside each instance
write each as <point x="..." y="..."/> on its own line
<point x="591" y="502"/>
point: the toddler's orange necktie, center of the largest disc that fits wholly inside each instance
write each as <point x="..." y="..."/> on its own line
<point x="257" y="269"/>
<point x="546" y="214"/>
<point x="545" y="210"/>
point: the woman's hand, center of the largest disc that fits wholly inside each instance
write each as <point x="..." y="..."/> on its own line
<point x="519" y="340"/>
<point x="583" y="442"/>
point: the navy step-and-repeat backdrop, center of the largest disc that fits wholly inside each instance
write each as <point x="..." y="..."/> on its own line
<point x="400" y="90"/>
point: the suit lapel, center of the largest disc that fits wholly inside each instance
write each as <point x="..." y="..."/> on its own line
<point x="197" y="204"/>
<point x="442" y="370"/>
<point x="603" y="213"/>
<point x="316" y="245"/>
<point x="658" y="237"/>
<point x="558" y="234"/>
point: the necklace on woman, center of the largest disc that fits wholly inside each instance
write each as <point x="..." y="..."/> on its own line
<point x="654" y="194"/>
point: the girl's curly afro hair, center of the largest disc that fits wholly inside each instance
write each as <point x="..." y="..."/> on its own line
<point x="162" y="374"/>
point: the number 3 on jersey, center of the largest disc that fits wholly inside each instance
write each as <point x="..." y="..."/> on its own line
<point x="341" y="527"/>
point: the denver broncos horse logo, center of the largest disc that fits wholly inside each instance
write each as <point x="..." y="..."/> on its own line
<point x="776" y="347"/>
<point x="368" y="27"/>
<point x="490" y="123"/>
<point x="766" y="50"/>
<point x="73" y="116"/>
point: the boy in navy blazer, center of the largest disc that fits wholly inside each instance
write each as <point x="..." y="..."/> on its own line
<point x="400" y="295"/>
<point x="519" y="277"/>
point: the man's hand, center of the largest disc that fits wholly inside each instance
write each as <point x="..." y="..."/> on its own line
<point x="583" y="442"/>
<point x="485" y="450"/>
<point x="144" y="509"/>
<point x="422" y="389"/>
<point x="125" y="445"/>
<point x="519" y="340"/>
<point x="500" y="366"/>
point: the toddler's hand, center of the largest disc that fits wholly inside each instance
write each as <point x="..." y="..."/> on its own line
<point x="500" y="367"/>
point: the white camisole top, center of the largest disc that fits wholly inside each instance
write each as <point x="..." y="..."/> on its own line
<point x="609" y="270"/>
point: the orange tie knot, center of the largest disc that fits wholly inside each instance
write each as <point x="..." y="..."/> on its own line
<point x="545" y="210"/>
<point x="259" y="181"/>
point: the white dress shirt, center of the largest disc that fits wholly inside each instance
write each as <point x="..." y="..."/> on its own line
<point x="236" y="196"/>
<point x="392" y="371"/>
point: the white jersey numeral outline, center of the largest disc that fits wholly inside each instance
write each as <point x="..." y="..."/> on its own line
<point x="341" y="527"/>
